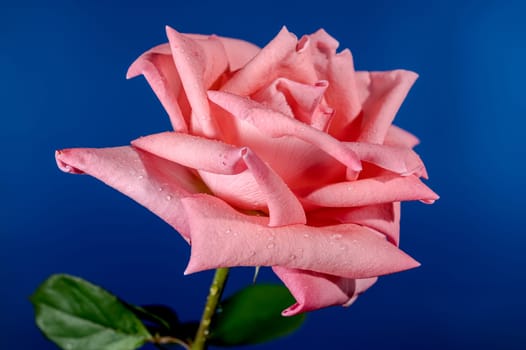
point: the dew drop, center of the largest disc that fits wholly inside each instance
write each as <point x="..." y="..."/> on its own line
<point x="342" y="247"/>
<point x="336" y="236"/>
<point x="169" y="197"/>
<point x="306" y="235"/>
<point x="160" y="189"/>
<point x="252" y="252"/>
<point x="271" y="238"/>
<point x="292" y="257"/>
<point x="228" y="231"/>
<point x="140" y="177"/>
<point x="270" y="245"/>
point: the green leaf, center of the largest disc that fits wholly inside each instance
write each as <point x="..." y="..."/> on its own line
<point x="77" y="315"/>
<point x="253" y="315"/>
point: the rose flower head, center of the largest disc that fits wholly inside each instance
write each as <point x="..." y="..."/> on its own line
<point x="283" y="156"/>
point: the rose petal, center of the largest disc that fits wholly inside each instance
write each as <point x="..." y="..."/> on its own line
<point x="221" y="237"/>
<point x="198" y="65"/>
<point x="275" y="124"/>
<point x="239" y="52"/>
<point x="313" y="290"/>
<point x="342" y="93"/>
<point x="383" y="218"/>
<point x="284" y="207"/>
<point x="273" y="98"/>
<point x="383" y="94"/>
<point x="279" y="58"/>
<point x="399" y="137"/>
<point x="219" y="158"/>
<point x="381" y="189"/>
<point x="400" y="160"/>
<point x="304" y="99"/>
<point x="153" y="182"/>
<point x="296" y="100"/>
<point x="194" y="152"/>
<point x="158" y="68"/>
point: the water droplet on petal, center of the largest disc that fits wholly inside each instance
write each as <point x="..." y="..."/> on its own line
<point x="168" y="197"/>
<point x="270" y="245"/>
<point x="336" y="236"/>
<point x="160" y="189"/>
<point x="292" y="256"/>
<point x="228" y="231"/>
<point x="306" y="235"/>
<point x="140" y="177"/>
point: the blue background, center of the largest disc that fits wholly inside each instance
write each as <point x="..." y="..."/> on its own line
<point x="62" y="85"/>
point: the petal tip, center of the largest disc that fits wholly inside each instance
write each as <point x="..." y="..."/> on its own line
<point x="291" y="310"/>
<point x="63" y="165"/>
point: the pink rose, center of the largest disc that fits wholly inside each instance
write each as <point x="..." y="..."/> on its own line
<point x="283" y="156"/>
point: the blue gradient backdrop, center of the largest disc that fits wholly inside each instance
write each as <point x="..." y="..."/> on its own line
<point x="62" y="85"/>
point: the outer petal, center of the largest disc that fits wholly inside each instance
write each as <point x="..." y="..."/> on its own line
<point x="384" y="93"/>
<point x="153" y="182"/>
<point x="399" y="137"/>
<point x="158" y="68"/>
<point x="382" y="189"/>
<point x="342" y="94"/>
<point x="275" y="124"/>
<point x="222" y="236"/>
<point x="194" y="152"/>
<point x="238" y="52"/>
<point x="383" y="218"/>
<point x="220" y="158"/>
<point x="198" y="66"/>
<point x="400" y="160"/>
<point x="314" y="290"/>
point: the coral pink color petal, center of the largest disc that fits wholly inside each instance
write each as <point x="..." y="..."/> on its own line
<point x="399" y="137"/>
<point x="313" y="290"/>
<point x="342" y="93"/>
<point x="263" y="68"/>
<point x="221" y="236"/>
<point x="275" y="124"/>
<point x="284" y="207"/>
<point x="153" y="182"/>
<point x="382" y="189"/>
<point x="400" y="160"/>
<point x="198" y="66"/>
<point x="383" y="218"/>
<point x="194" y="152"/>
<point x="158" y="68"/>
<point x="384" y="93"/>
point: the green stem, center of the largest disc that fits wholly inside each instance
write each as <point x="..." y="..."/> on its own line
<point x="212" y="300"/>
